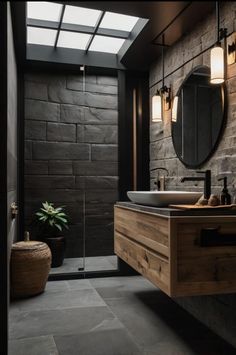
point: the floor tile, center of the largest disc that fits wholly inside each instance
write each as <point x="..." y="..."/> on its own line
<point x="109" y="342"/>
<point x="59" y="300"/>
<point x="44" y="345"/>
<point x="58" y="322"/>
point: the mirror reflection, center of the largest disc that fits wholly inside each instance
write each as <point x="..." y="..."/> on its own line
<point x="200" y="118"/>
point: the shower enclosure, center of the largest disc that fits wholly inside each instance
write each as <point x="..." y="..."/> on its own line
<point x="71" y="159"/>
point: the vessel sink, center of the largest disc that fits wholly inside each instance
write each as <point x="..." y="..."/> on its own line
<point x="164" y="198"/>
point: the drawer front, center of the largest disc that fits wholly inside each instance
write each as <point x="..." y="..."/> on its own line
<point x="152" y="266"/>
<point x="196" y="263"/>
<point x="146" y="229"/>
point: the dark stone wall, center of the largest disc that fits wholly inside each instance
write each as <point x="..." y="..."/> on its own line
<point x="217" y="312"/>
<point x="71" y="155"/>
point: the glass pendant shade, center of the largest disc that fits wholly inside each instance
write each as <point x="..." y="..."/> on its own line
<point x="156" y="108"/>
<point x="174" y="109"/>
<point x="217" y="65"/>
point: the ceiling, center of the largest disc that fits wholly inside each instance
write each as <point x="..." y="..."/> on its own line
<point x="173" y="18"/>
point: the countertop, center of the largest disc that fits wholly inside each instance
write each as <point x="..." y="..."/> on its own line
<point x="169" y="212"/>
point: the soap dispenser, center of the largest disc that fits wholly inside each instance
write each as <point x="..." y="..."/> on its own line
<point x="225" y="198"/>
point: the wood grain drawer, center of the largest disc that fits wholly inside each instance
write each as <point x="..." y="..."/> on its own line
<point x="151" y="265"/>
<point x="147" y="229"/>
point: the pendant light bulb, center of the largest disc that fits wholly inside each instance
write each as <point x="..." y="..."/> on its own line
<point x="174" y="109"/>
<point x="217" y="65"/>
<point x="156" y="108"/>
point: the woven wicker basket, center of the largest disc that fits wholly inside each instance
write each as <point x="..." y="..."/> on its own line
<point x="30" y="265"/>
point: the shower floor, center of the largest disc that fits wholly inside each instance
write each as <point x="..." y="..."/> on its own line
<point x="92" y="263"/>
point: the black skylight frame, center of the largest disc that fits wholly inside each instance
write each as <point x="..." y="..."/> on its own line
<point x="81" y="56"/>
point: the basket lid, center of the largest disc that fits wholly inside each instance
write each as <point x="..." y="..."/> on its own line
<point x="29" y="245"/>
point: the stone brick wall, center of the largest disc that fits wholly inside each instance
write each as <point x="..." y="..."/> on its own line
<point x="218" y="311"/>
<point x="71" y="155"/>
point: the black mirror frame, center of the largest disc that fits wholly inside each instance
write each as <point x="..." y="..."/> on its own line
<point x="222" y="128"/>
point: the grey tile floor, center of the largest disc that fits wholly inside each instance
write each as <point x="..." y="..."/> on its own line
<point x="107" y="316"/>
<point x="92" y="263"/>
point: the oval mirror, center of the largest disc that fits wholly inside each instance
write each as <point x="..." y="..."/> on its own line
<point x="200" y="118"/>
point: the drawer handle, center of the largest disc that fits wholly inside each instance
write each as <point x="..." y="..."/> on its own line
<point x="211" y="237"/>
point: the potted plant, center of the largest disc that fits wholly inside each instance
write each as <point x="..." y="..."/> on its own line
<point x="53" y="221"/>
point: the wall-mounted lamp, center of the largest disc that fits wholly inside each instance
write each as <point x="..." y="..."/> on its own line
<point x="162" y="99"/>
<point x="174" y="109"/>
<point x="217" y="53"/>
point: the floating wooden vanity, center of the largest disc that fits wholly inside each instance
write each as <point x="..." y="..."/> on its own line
<point x="167" y="247"/>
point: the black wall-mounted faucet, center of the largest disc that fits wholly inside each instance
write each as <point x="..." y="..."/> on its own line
<point x="206" y="179"/>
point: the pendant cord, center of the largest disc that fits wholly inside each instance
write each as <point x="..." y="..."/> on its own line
<point x="162" y="52"/>
<point x="218" y="21"/>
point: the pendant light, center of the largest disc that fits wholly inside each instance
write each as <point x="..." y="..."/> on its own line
<point x="217" y="53"/>
<point x="156" y="107"/>
<point x="161" y="95"/>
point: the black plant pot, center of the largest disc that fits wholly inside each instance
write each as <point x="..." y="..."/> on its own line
<point x="57" y="246"/>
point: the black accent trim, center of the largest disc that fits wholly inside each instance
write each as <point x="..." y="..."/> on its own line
<point x="95" y="31"/>
<point x="77" y="28"/>
<point x="4" y="272"/>
<point x="60" y="23"/>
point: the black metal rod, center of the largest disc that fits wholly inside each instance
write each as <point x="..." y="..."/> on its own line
<point x="95" y="31"/>
<point x="163" y="60"/>
<point x="217" y="22"/>
<point x="59" y="27"/>
<point x="182" y="65"/>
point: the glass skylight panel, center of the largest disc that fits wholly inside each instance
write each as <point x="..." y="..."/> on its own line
<point x="43" y="10"/>
<point x="81" y="16"/>
<point x="73" y="40"/>
<point x="120" y="22"/>
<point x="41" y="36"/>
<point x="106" y="44"/>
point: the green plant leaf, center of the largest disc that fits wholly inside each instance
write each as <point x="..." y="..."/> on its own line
<point x="58" y="226"/>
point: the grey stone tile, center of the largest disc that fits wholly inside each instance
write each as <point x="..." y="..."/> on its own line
<point x="40" y="182"/>
<point x="109" y="342"/>
<point x="97" y="182"/>
<point x="43" y="345"/>
<point x="37" y="91"/>
<point x="35" y="130"/>
<point x="100" y="116"/>
<point x="51" y="150"/>
<point x="72" y="114"/>
<point x="59" y="132"/>
<point x="103" y="152"/>
<point x="28" y="149"/>
<point x="60" y="167"/>
<point x="95" y="168"/>
<point x="41" y="110"/>
<point x="100" y="100"/>
<point x="71" y="298"/>
<point x="64" y="96"/>
<point x="118" y="287"/>
<point x="36" y="167"/>
<point x="101" y="134"/>
<point x="75" y="83"/>
<point x="57" y="322"/>
<point x="107" y="80"/>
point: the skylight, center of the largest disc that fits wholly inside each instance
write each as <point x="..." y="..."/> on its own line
<point x="73" y="40"/>
<point x="118" y="21"/>
<point x="43" y="10"/>
<point x="106" y="44"/>
<point x="41" y="36"/>
<point x="81" y="16"/>
<point x="65" y="26"/>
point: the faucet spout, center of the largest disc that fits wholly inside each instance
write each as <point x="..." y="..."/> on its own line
<point x="206" y="178"/>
